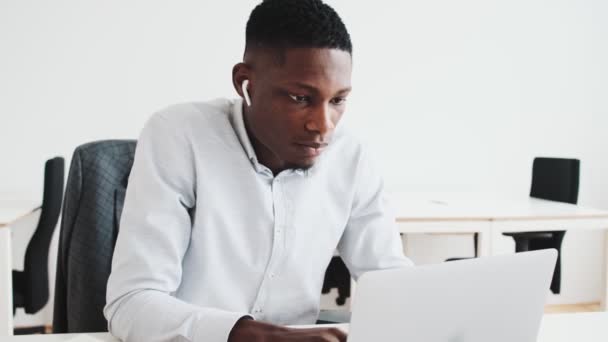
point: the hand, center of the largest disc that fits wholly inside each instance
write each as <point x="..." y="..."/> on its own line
<point x="248" y="330"/>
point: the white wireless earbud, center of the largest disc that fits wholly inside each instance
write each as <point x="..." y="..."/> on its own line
<point x="245" y="92"/>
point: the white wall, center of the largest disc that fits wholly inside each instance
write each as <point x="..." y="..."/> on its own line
<point x="451" y="95"/>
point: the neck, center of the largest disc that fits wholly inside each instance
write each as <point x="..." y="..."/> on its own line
<point x="264" y="155"/>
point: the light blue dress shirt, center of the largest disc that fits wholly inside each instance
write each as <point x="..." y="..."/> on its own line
<point x="208" y="234"/>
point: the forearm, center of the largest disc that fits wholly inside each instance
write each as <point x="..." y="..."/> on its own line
<point x="149" y="315"/>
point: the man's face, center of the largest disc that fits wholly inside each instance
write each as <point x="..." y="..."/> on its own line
<point x="296" y="104"/>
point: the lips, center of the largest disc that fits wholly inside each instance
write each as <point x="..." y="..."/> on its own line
<point x="310" y="149"/>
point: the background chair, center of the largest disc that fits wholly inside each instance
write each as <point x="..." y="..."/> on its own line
<point x="553" y="179"/>
<point x="31" y="286"/>
<point x="337" y="276"/>
<point x="93" y="203"/>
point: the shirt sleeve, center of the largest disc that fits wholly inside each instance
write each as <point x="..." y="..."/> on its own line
<point x="154" y="235"/>
<point x="371" y="240"/>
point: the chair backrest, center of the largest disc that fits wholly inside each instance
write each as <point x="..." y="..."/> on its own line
<point x="555" y="179"/>
<point x="35" y="268"/>
<point x="93" y="204"/>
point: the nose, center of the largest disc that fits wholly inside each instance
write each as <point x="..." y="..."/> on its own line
<point x="320" y="120"/>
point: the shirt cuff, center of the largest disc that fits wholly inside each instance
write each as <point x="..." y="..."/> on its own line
<point x="216" y="325"/>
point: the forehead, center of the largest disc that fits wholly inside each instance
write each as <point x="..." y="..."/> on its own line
<point x="319" y="67"/>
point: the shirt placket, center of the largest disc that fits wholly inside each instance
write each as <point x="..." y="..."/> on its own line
<point x="278" y="246"/>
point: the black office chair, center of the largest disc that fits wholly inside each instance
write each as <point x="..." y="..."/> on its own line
<point x="31" y="286"/>
<point x="93" y="203"/>
<point x="337" y="276"/>
<point x="553" y="179"/>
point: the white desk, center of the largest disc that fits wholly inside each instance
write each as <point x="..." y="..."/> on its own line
<point x="583" y="327"/>
<point x="10" y="211"/>
<point x="490" y="216"/>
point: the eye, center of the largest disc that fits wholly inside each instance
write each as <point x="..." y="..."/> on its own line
<point x="300" y="98"/>
<point x="338" y="100"/>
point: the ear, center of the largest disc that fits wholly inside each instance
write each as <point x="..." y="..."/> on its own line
<point x="240" y="73"/>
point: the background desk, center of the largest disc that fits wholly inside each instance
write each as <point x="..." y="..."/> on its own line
<point x="10" y="211"/>
<point x="587" y="327"/>
<point x="490" y="216"/>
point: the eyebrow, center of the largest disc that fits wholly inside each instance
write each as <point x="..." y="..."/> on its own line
<point x="315" y="90"/>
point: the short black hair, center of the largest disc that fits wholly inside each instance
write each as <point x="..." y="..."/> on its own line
<point x="296" y="24"/>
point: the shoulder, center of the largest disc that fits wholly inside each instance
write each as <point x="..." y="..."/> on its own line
<point x="191" y="114"/>
<point x="191" y="121"/>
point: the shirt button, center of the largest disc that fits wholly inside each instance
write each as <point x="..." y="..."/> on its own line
<point x="271" y="275"/>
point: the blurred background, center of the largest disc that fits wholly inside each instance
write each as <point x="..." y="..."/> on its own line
<point x="451" y="96"/>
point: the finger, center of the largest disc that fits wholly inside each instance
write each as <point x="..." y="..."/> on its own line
<point x="314" y="335"/>
<point x="332" y="335"/>
<point x="339" y="334"/>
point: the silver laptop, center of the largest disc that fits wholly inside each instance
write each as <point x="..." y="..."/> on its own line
<point x="498" y="299"/>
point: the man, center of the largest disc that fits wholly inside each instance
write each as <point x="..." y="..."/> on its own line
<point x="234" y="208"/>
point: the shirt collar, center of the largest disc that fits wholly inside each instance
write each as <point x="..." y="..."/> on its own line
<point x="241" y="131"/>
